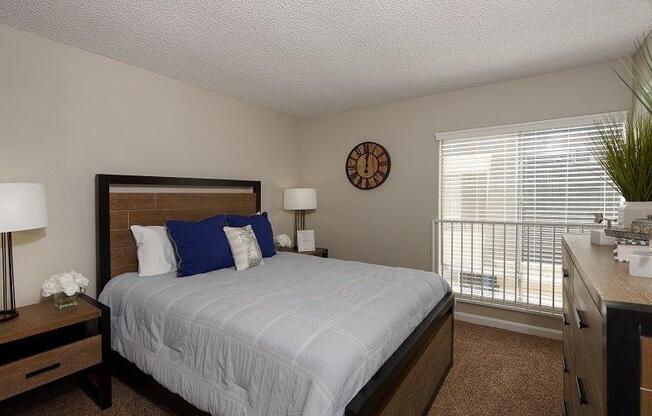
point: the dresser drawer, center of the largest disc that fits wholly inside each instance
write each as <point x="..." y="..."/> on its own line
<point x="571" y="402"/>
<point x="588" y="332"/>
<point x="28" y="373"/>
<point x="586" y="397"/>
<point x="570" y="399"/>
<point x="568" y="360"/>
<point x="568" y="333"/>
<point x="568" y="270"/>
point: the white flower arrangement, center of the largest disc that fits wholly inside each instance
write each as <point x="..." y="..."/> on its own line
<point x="70" y="283"/>
<point x="283" y="240"/>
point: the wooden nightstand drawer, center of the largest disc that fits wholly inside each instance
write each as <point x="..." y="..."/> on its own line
<point x="28" y="373"/>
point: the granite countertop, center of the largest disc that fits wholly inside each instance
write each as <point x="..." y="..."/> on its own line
<point x="608" y="281"/>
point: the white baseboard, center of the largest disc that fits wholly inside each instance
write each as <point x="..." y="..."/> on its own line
<point x="509" y="325"/>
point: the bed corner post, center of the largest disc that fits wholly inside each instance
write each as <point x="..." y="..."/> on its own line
<point x="256" y="189"/>
<point x="102" y="230"/>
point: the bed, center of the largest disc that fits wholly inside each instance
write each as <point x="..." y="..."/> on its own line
<point x="299" y="335"/>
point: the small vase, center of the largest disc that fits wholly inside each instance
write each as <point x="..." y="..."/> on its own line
<point x="61" y="300"/>
<point x="635" y="211"/>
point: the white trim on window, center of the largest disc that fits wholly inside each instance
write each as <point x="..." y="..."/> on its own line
<point x="567" y="122"/>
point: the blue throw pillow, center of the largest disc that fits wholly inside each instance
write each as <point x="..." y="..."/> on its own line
<point x="200" y="246"/>
<point x="262" y="228"/>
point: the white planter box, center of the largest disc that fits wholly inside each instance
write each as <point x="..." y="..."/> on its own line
<point x="634" y="211"/>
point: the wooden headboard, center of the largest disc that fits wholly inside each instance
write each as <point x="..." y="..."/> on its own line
<point x="143" y="204"/>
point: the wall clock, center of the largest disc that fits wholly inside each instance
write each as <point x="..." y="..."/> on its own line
<point x="368" y="165"/>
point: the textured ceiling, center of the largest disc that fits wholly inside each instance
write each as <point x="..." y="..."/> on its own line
<point x="312" y="57"/>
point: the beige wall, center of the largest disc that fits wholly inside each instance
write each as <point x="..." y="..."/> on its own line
<point x="66" y="114"/>
<point x="391" y="225"/>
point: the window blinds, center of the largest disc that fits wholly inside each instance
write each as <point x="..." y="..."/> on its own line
<point x="535" y="172"/>
<point x="504" y="185"/>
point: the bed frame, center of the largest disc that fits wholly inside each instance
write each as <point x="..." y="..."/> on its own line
<point x="405" y="385"/>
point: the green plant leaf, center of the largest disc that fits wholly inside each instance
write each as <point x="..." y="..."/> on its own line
<point x="625" y="154"/>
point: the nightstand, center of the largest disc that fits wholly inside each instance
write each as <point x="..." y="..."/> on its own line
<point x="45" y="344"/>
<point x="319" y="252"/>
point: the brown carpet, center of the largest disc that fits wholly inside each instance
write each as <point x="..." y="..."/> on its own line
<point x="495" y="372"/>
<point x="498" y="372"/>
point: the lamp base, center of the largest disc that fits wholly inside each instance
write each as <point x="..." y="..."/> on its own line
<point x="7" y="290"/>
<point x="8" y="315"/>
<point x="299" y="224"/>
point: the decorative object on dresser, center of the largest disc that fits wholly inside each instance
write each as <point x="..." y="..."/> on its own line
<point x="44" y="345"/>
<point x="629" y="240"/>
<point x="625" y="248"/>
<point x="22" y="207"/>
<point x="607" y="333"/>
<point x="65" y="288"/>
<point x="319" y="251"/>
<point x="642" y="225"/>
<point x="282" y="241"/>
<point x="299" y="200"/>
<point x="368" y="165"/>
<point x="305" y="240"/>
<point x="598" y="236"/>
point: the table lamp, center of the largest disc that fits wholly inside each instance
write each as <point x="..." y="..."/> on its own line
<point x="22" y="207"/>
<point x="299" y="200"/>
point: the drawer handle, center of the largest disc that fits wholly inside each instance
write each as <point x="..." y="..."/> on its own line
<point x="564" y="272"/>
<point x="565" y="408"/>
<point x="578" y="319"/>
<point x="565" y="318"/>
<point x="581" y="394"/>
<point x="565" y="367"/>
<point x="42" y="370"/>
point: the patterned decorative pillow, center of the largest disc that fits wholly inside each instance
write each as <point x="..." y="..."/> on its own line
<point x="244" y="247"/>
<point x="262" y="228"/>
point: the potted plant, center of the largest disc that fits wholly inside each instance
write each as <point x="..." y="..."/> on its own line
<point x="625" y="154"/>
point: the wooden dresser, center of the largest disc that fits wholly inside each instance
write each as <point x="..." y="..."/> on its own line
<point x="607" y="333"/>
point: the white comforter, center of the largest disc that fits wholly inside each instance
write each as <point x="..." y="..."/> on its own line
<point x="299" y="335"/>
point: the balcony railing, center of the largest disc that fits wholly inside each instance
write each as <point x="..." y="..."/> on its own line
<point x="513" y="265"/>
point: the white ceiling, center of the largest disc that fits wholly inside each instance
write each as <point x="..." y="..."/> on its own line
<point x="313" y="57"/>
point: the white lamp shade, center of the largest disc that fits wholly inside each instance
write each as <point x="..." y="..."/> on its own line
<point x="22" y="207"/>
<point x="299" y="198"/>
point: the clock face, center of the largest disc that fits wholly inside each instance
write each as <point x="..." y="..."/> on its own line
<point x="368" y="165"/>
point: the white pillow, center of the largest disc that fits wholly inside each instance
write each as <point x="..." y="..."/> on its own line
<point x="155" y="252"/>
<point x="244" y="247"/>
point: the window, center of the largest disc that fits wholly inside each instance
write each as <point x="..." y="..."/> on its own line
<point x="516" y="189"/>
